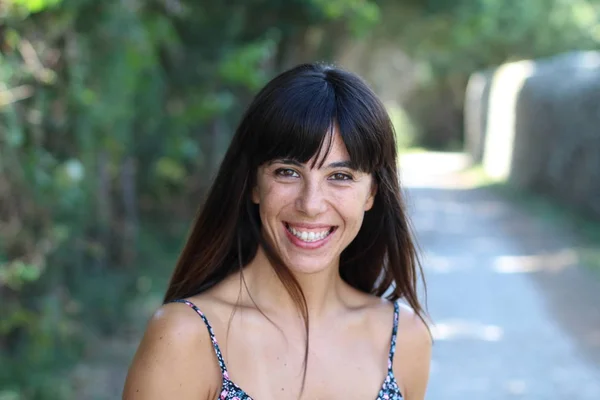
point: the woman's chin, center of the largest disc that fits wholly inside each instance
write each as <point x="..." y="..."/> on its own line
<point x="308" y="265"/>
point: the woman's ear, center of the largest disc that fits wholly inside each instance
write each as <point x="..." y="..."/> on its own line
<point x="371" y="198"/>
<point x="256" y="186"/>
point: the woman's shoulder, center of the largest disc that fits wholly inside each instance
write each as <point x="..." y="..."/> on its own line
<point x="411" y="328"/>
<point x="413" y="353"/>
<point x="175" y="318"/>
<point x="379" y="311"/>
<point x="175" y="346"/>
<point x="410" y="325"/>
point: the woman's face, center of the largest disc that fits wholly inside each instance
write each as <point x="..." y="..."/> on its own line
<point x="312" y="215"/>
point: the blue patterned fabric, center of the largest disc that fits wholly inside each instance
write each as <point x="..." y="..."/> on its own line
<point x="230" y="391"/>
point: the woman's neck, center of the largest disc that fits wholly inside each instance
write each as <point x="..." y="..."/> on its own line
<point x="321" y="290"/>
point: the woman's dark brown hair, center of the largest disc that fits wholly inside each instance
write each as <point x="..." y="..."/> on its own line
<point x="292" y="117"/>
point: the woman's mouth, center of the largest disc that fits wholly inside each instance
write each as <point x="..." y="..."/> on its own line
<point x="309" y="235"/>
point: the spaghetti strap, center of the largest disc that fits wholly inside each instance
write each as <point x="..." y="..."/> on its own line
<point x="394" y="335"/>
<point x="231" y="391"/>
<point x="213" y="339"/>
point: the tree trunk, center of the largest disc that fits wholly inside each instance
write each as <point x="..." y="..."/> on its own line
<point x="104" y="210"/>
<point x="130" y="212"/>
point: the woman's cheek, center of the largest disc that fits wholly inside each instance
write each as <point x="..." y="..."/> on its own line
<point x="348" y="198"/>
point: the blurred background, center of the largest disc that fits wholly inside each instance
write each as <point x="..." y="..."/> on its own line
<point x="114" y="116"/>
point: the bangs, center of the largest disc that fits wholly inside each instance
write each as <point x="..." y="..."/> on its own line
<point x="297" y="122"/>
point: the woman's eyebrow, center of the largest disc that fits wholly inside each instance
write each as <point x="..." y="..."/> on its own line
<point x="287" y="161"/>
<point x="341" y="164"/>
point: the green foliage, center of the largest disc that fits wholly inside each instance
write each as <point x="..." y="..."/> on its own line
<point x="33" y="6"/>
<point x="451" y="39"/>
<point x="403" y="126"/>
<point x="242" y="66"/>
<point x="112" y="115"/>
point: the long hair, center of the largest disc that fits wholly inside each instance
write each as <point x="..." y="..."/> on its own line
<point x="291" y="117"/>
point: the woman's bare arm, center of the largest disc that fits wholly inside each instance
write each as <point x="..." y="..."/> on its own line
<point x="413" y="355"/>
<point x="175" y="359"/>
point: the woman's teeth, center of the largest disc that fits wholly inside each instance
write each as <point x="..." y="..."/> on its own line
<point x="309" y="236"/>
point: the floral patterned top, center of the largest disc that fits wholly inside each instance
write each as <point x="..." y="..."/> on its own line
<point x="230" y="391"/>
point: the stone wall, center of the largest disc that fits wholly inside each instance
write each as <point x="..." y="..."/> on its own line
<point x="537" y="125"/>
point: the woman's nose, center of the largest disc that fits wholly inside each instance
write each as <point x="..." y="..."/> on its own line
<point x="311" y="199"/>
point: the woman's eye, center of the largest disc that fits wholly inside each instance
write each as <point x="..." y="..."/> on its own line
<point x="286" y="173"/>
<point x="341" y="177"/>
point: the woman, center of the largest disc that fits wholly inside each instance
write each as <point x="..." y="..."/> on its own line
<point x="302" y="234"/>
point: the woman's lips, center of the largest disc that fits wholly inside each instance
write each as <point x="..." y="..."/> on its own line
<point x="309" y="236"/>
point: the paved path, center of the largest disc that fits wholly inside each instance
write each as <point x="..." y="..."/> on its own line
<point x="516" y="318"/>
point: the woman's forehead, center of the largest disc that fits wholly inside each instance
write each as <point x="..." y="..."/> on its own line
<point x="332" y="154"/>
<point x="333" y="150"/>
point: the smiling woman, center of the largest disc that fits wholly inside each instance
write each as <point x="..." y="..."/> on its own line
<point x="302" y="235"/>
<point x="305" y="207"/>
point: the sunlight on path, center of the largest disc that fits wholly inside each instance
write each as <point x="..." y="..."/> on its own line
<point x="511" y="308"/>
<point x="434" y="170"/>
